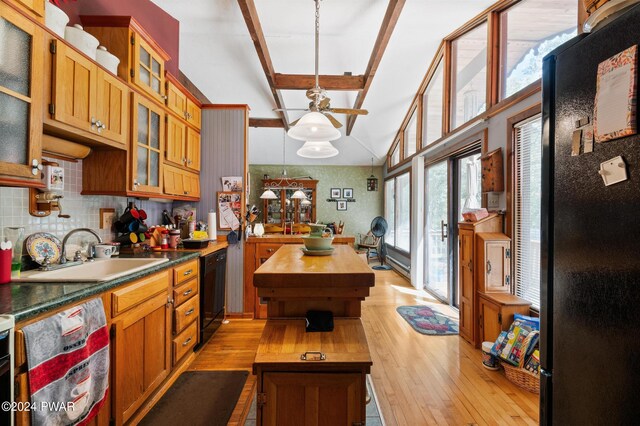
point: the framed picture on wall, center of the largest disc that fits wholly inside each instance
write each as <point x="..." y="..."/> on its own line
<point x="341" y="205"/>
<point x="347" y="192"/>
<point x="335" y="192"/>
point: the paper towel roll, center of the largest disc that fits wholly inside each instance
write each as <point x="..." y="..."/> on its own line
<point x="212" y="226"/>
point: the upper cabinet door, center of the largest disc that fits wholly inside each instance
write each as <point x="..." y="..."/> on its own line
<point x="194" y="114"/>
<point x="112" y="109"/>
<point x="176" y="141"/>
<point x="147" y="145"/>
<point x="149" y="69"/>
<point x="193" y="149"/>
<point x="21" y="81"/>
<point x="74" y="88"/>
<point x="35" y="6"/>
<point x="176" y="100"/>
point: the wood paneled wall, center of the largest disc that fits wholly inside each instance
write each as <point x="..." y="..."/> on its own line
<point x="223" y="154"/>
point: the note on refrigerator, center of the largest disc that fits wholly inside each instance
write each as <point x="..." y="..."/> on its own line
<point x="615" y="104"/>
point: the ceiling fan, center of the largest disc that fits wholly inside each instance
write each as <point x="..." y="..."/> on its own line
<point x="320" y="102"/>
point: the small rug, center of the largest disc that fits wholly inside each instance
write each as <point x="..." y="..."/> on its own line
<point x="427" y="320"/>
<point x="199" y="398"/>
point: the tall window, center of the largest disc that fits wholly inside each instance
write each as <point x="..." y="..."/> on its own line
<point x="469" y="79"/>
<point x="397" y="207"/>
<point x="390" y="211"/>
<point x="532" y="28"/>
<point x="395" y="155"/>
<point x="432" y="107"/>
<point x="411" y="135"/>
<point x="403" y="212"/>
<point x="526" y="238"/>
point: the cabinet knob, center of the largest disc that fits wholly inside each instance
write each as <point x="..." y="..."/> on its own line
<point x="35" y="167"/>
<point x="189" y="312"/>
<point x="188" y="292"/>
<point x="189" y="162"/>
<point x="186" y="342"/>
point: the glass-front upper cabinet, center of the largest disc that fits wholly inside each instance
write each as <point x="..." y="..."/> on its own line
<point x="21" y="79"/>
<point x="273" y="208"/>
<point x="147" y="145"/>
<point x="285" y="209"/>
<point x="150" y="68"/>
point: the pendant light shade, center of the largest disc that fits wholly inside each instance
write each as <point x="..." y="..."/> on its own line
<point x="299" y="195"/>
<point x="322" y="149"/>
<point x="314" y="127"/>
<point x="269" y="195"/>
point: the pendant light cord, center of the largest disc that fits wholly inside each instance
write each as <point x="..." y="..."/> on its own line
<point x="317" y="42"/>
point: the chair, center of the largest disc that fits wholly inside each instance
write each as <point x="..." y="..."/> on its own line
<point x="370" y="242"/>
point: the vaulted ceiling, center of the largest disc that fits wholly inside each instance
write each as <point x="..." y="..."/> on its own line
<point x="219" y="56"/>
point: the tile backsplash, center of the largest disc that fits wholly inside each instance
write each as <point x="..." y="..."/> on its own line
<point x="84" y="210"/>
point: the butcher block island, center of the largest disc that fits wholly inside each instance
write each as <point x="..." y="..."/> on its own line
<point x="312" y="377"/>
<point x="293" y="283"/>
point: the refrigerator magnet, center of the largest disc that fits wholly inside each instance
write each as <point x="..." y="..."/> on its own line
<point x="575" y="142"/>
<point x="587" y="139"/>
<point x="613" y="171"/>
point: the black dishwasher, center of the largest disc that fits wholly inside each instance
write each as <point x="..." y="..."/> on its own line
<point x="212" y="293"/>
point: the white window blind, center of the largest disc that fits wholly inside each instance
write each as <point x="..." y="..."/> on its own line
<point x="526" y="238"/>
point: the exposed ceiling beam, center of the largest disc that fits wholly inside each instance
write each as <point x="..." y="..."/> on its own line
<point x="328" y="82"/>
<point x="265" y="122"/>
<point x="250" y="15"/>
<point x="384" y="35"/>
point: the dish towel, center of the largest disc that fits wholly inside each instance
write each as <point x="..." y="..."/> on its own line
<point x="68" y="359"/>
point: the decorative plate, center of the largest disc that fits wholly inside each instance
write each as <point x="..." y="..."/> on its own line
<point x="43" y="244"/>
<point x="326" y="252"/>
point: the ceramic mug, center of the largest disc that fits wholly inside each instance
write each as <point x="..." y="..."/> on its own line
<point x="103" y="250"/>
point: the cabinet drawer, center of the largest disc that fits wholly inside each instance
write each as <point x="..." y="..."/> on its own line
<point x="265" y="251"/>
<point x="184" y="342"/>
<point x="136" y="293"/>
<point x="185" y="314"/>
<point x="185" y="272"/>
<point x="185" y="292"/>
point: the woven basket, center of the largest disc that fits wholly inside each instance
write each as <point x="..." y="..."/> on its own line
<point x="522" y="378"/>
<point x="593" y="5"/>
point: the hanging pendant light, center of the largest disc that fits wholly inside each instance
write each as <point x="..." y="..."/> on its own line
<point x="372" y="181"/>
<point x="322" y="149"/>
<point x="299" y="195"/>
<point x="314" y="126"/>
<point x="269" y="195"/>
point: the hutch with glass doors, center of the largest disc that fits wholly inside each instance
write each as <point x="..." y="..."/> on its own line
<point x="285" y="209"/>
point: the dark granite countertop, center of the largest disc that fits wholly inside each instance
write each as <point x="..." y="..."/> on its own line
<point x="25" y="300"/>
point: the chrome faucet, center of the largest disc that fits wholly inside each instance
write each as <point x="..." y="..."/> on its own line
<point x="63" y="255"/>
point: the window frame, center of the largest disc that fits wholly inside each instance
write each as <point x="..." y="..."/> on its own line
<point x="494" y="104"/>
<point x="511" y="187"/>
<point x="439" y="60"/>
<point x="394" y="178"/>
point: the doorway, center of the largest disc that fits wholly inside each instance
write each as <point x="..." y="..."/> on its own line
<point x="452" y="186"/>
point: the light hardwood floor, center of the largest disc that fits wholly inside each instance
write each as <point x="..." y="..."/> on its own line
<point x="419" y="380"/>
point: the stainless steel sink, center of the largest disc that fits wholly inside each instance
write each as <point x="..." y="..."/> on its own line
<point x="97" y="271"/>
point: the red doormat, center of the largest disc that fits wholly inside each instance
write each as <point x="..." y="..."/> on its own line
<point x="427" y="320"/>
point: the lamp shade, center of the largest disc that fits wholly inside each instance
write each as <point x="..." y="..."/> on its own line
<point x="314" y="127"/>
<point x="269" y="195"/>
<point x="299" y="195"/>
<point x="322" y="149"/>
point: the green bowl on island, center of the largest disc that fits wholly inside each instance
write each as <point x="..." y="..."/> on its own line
<point x="317" y="243"/>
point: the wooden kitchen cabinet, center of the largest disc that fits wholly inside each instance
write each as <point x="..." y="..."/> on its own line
<point x="331" y="391"/>
<point x="112" y="107"/>
<point x="496" y="311"/>
<point x="183" y="144"/>
<point x="186" y="309"/>
<point x="192" y="149"/>
<point x="147" y="145"/>
<point x="21" y="100"/>
<point x="142" y="60"/>
<point x="176" y="98"/>
<point x="468" y="263"/>
<point x="194" y="114"/>
<point x="494" y="270"/>
<point x="181" y="182"/>
<point x="285" y="209"/>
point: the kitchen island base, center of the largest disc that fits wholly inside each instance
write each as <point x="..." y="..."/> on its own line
<point x="312" y="378"/>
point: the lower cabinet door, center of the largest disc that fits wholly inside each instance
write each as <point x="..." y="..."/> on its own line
<point x="490" y="321"/>
<point x="142" y="355"/>
<point x="311" y="399"/>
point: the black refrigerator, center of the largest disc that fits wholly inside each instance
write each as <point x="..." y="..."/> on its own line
<point x="590" y="246"/>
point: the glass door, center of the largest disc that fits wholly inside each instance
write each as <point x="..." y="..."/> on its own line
<point x="437" y="229"/>
<point x="452" y="187"/>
